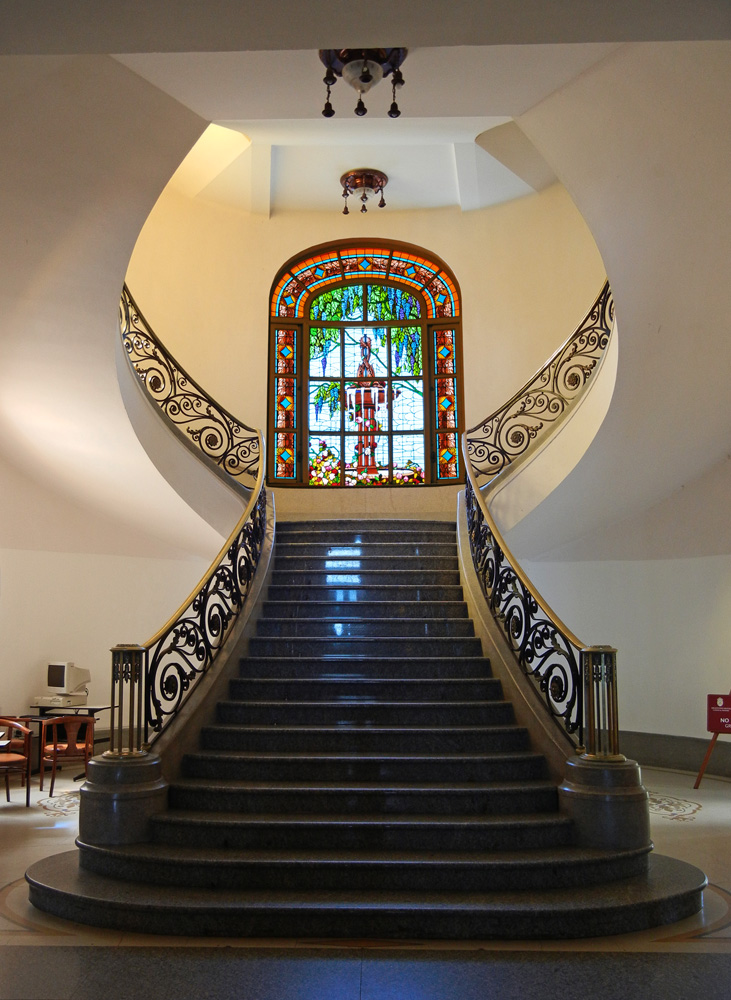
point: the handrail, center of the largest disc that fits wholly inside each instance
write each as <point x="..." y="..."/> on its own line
<point x="150" y="682"/>
<point x="564" y="669"/>
<point x="234" y="447"/>
<point x="546" y="398"/>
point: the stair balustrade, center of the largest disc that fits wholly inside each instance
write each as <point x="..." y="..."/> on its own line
<point x="577" y="682"/>
<point x="150" y="682"/>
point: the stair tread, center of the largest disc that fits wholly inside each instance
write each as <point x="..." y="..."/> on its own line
<point x="211" y="817"/>
<point x="232" y="856"/>
<point x="66" y="876"/>
<point x="227" y="784"/>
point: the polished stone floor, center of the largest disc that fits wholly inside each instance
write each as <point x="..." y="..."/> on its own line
<point x="42" y="958"/>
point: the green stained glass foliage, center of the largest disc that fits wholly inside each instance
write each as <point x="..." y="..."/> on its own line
<point x="324" y="352"/>
<point x="338" y="304"/>
<point x="388" y="303"/>
<point x="406" y="357"/>
<point x="324" y="406"/>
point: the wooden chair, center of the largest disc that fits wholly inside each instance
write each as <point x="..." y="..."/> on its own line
<point x="15" y="755"/>
<point x="65" y="738"/>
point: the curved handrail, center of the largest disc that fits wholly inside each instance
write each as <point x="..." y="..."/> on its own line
<point x="151" y="682"/>
<point x="545" y="648"/>
<point x="546" y="398"/>
<point x="232" y="446"/>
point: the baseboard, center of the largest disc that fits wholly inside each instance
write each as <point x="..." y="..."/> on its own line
<point x="678" y="753"/>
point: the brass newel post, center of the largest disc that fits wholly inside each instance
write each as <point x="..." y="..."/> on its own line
<point x="599" y="670"/>
<point x="128" y="675"/>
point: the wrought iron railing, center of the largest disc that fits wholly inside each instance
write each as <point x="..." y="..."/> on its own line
<point x="546" y="650"/>
<point x="546" y="399"/>
<point x="150" y="682"/>
<point x="226" y="441"/>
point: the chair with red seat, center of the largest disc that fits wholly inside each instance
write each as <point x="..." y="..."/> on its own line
<point x="15" y="754"/>
<point x="64" y="739"/>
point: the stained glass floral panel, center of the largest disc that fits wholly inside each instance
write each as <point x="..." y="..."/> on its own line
<point x="408" y="459"/>
<point x="324" y="458"/>
<point x="366" y="460"/>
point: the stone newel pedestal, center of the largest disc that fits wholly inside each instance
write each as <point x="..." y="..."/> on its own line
<point x="607" y="802"/>
<point x="119" y="797"/>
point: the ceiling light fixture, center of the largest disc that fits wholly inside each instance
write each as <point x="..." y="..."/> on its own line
<point x="362" y="69"/>
<point x="363" y="179"/>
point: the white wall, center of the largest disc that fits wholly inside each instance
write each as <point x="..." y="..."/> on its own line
<point x="669" y="620"/>
<point x="76" y="606"/>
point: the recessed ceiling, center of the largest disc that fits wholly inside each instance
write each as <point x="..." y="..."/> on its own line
<point x="295" y="158"/>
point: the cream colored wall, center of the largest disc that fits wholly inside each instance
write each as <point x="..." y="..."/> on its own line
<point x="668" y="619"/>
<point x="202" y="274"/>
<point x="76" y="606"/>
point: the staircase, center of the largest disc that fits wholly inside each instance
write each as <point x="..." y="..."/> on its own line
<point x="364" y="779"/>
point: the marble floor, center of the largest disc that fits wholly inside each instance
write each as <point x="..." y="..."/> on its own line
<point x="43" y="958"/>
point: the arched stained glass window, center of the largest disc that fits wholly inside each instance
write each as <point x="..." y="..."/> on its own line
<point x="365" y="368"/>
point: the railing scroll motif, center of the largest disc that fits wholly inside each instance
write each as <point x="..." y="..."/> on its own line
<point x="545" y="649"/>
<point x="508" y="432"/>
<point x="151" y="682"/>
<point x="226" y="441"/>
<point x="577" y="682"/>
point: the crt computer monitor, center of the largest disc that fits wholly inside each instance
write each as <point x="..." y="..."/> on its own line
<point x="67" y="678"/>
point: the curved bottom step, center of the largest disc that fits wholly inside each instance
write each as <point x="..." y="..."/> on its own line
<point x="670" y="891"/>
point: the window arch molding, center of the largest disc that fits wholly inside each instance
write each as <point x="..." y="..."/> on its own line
<point x="388" y="317"/>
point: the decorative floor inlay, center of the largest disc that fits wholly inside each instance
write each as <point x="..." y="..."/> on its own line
<point x="61" y="805"/>
<point x="669" y="807"/>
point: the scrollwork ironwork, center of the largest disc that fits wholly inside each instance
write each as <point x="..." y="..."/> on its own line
<point x="541" y="403"/>
<point x="226" y="441"/>
<point x="185" y="648"/>
<point x="545" y="650"/>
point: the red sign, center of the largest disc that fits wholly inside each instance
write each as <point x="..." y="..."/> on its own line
<point x="719" y="713"/>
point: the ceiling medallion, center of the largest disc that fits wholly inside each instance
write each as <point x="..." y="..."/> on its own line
<point x="362" y="69"/>
<point x="363" y="179"/>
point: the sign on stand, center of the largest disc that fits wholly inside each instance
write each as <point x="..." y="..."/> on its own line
<point x="719" y="721"/>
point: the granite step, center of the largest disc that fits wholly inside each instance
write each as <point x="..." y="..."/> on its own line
<point x="366" y="739"/>
<point x="351" y="593"/>
<point x="285" y="562"/>
<point x="387" y="549"/>
<point x="349" y="689"/>
<point x="371" y="798"/>
<point x="372" y="646"/>
<point x="336" y="870"/>
<point x="347" y="577"/>
<point x="347" y="627"/>
<point x="400" y="768"/>
<point x="668" y="892"/>
<point x="360" y="831"/>
<point x="365" y="713"/>
<point x="346" y="607"/>
<point x="384" y="667"/>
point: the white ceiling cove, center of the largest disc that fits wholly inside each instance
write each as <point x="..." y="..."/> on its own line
<point x="295" y="157"/>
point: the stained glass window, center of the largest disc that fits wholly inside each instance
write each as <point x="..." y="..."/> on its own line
<point x="366" y="375"/>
